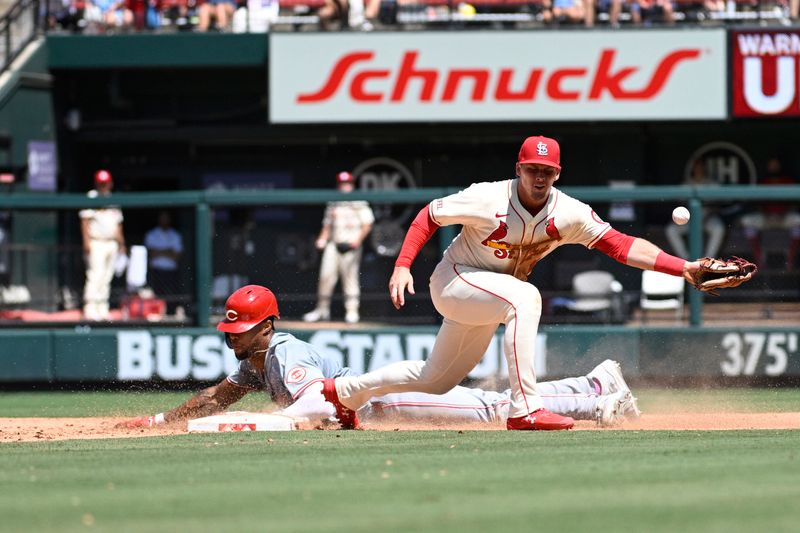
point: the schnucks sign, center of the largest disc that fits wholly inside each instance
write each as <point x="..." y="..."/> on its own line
<point x="766" y="73"/>
<point x="497" y="76"/>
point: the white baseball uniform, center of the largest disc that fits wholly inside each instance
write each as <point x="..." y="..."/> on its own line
<point x="481" y="283"/>
<point x="293" y="367"/>
<point x="346" y="219"/>
<point x="103" y="223"/>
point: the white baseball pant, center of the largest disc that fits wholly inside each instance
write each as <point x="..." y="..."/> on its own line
<point x="335" y="266"/>
<point x="473" y="302"/>
<point x="99" y="272"/>
<point x="575" y="397"/>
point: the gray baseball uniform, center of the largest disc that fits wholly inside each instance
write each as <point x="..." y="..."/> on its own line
<point x="293" y="367"/>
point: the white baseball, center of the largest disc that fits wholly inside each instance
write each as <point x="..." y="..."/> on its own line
<point x="680" y="215"/>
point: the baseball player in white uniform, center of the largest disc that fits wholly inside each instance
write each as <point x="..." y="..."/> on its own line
<point x="481" y="282"/>
<point x="345" y="225"/>
<point x="293" y="371"/>
<point x="101" y="230"/>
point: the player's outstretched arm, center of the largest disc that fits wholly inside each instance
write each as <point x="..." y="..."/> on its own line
<point x="400" y="281"/>
<point x="643" y="254"/>
<point x="646" y="255"/>
<point x="207" y="402"/>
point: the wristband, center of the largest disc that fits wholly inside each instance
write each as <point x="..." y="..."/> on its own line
<point x="669" y="264"/>
<point x="159" y="419"/>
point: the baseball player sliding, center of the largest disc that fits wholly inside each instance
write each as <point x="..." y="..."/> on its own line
<point x="481" y="282"/>
<point x="293" y="371"/>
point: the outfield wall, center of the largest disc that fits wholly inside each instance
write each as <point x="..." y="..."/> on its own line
<point x="200" y="354"/>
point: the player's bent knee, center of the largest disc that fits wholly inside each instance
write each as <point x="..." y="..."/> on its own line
<point x="438" y="383"/>
<point x="438" y="387"/>
<point x="528" y="303"/>
<point x="528" y="293"/>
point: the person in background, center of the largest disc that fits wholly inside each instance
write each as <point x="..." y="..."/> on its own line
<point x="164" y="248"/>
<point x="345" y="225"/>
<point x="569" y="11"/>
<point x="771" y="215"/>
<point x="103" y="240"/>
<point x="648" y="11"/>
<point x="219" y="10"/>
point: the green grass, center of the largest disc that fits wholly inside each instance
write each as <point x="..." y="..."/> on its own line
<point x="71" y="404"/>
<point x="320" y="481"/>
<point x="58" y="404"/>
<point x="407" y="481"/>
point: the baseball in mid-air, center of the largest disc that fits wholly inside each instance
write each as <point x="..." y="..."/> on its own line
<point x="680" y="215"/>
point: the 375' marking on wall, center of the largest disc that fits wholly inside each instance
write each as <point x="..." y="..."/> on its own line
<point x="744" y="350"/>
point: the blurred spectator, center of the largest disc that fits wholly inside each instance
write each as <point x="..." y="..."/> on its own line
<point x="144" y="13"/>
<point x="712" y="223"/>
<point x="164" y="248"/>
<point x="772" y="215"/>
<point x="613" y="7"/>
<point x="569" y="11"/>
<point x="648" y="11"/>
<point x="67" y="14"/>
<point x="178" y="12"/>
<point x="103" y="240"/>
<point x="220" y="11"/>
<point x="345" y="225"/>
<point x="255" y="16"/>
<point x="334" y="11"/>
<point x="367" y="22"/>
<point x="113" y="14"/>
<point x="589" y="8"/>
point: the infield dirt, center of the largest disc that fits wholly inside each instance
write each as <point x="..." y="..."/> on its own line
<point x="47" y="429"/>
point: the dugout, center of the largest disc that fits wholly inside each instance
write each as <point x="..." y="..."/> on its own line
<point x="191" y="111"/>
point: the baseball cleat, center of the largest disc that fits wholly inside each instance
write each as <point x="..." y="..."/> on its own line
<point x="316" y="315"/>
<point x="611" y="408"/>
<point x="540" y="419"/>
<point x="346" y="416"/>
<point x="609" y="375"/>
<point x="630" y="408"/>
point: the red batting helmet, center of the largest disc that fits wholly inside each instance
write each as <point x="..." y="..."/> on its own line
<point x="102" y="176"/>
<point x="248" y="307"/>
<point x="540" y="150"/>
<point x="344" y="177"/>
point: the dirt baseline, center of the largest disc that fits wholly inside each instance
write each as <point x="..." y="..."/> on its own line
<point x="47" y="429"/>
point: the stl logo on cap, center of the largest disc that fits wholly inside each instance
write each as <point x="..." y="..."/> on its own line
<point x="541" y="148"/>
<point x="232" y="315"/>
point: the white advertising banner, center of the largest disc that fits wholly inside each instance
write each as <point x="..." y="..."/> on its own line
<point x="497" y="76"/>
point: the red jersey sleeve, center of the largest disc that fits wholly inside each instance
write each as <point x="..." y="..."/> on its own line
<point x="422" y="229"/>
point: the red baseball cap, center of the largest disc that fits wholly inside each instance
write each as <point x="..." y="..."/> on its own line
<point x="102" y="176"/>
<point x="540" y="150"/>
<point x="247" y="307"/>
<point x="344" y="177"/>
